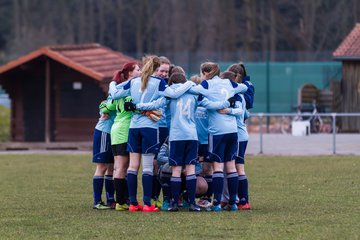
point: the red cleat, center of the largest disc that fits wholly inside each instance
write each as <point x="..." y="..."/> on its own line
<point x="134" y="208"/>
<point x="150" y="208"/>
<point x="244" y="207"/>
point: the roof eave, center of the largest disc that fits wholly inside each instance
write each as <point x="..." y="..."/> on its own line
<point x="346" y="58"/>
<point x="55" y="56"/>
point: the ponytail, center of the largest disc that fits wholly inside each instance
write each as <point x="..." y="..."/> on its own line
<point x="210" y="69"/>
<point x="151" y="63"/>
<point x="123" y="74"/>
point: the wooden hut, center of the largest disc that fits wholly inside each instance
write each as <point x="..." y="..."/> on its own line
<point x="55" y="91"/>
<point x="349" y="53"/>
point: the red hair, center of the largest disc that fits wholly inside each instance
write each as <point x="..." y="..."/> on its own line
<point x="123" y="74"/>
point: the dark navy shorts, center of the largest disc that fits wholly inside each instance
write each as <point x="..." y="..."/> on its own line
<point x="163" y="134"/>
<point x="183" y="152"/>
<point x="143" y="140"/>
<point x="240" y="156"/>
<point x="102" y="148"/>
<point x="204" y="152"/>
<point x="223" y="148"/>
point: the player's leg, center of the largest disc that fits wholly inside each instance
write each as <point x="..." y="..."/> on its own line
<point x="120" y="171"/>
<point x="163" y="134"/>
<point x="216" y="151"/>
<point x="98" y="183"/>
<point x="165" y="177"/>
<point x="231" y="173"/>
<point x="100" y="158"/>
<point x="109" y="185"/>
<point x="176" y="162"/>
<point x="150" y="146"/>
<point x="190" y="158"/>
<point x="134" y="147"/>
<point x="243" y="188"/>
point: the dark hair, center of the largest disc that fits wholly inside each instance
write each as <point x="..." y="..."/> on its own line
<point x="176" y="69"/>
<point x="123" y="74"/>
<point x="235" y="77"/>
<point x="210" y="69"/>
<point x="177" y="78"/>
<point x="238" y="68"/>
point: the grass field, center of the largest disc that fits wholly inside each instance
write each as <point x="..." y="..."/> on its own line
<point x="50" y="197"/>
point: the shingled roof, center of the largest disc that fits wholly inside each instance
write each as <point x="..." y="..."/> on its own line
<point x="349" y="49"/>
<point x="92" y="59"/>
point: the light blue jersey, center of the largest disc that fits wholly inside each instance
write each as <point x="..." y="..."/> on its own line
<point x="217" y="89"/>
<point x="202" y="122"/>
<point x="182" y="110"/>
<point x="239" y="112"/>
<point x="156" y="88"/>
<point x="105" y="123"/>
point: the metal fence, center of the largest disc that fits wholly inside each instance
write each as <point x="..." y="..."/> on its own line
<point x="264" y="123"/>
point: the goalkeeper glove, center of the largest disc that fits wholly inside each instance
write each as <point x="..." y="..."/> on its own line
<point x="232" y="101"/>
<point x="154" y="115"/>
<point x="129" y="106"/>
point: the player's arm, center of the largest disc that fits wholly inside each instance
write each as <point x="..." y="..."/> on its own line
<point x="169" y="92"/>
<point x="200" y="89"/>
<point x="250" y="92"/>
<point x="238" y="87"/>
<point x="158" y="103"/>
<point x="121" y="90"/>
<point x="206" y="103"/>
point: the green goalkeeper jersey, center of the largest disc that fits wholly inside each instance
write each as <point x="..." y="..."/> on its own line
<point x="120" y="128"/>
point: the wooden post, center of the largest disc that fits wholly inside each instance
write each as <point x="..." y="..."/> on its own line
<point x="47" y="101"/>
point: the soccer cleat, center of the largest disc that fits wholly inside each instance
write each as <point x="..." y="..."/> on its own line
<point x="216" y="208"/>
<point x="185" y="204"/>
<point x="204" y="203"/>
<point x="156" y="202"/>
<point x="244" y="207"/>
<point x="194" y="208"/>
<point x="165" y="205"/>
<point x="150" y="208"/>
<point x="174" y="207"/>
<point x="229" y="207"/>
<point x="134" y="208"/>
<point x="121" y="207"/>
<point x="100" y="206"/>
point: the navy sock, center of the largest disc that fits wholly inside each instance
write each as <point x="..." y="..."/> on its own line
<point x="98" y="182"/>
<point x="165" y="185"/>
<point x="191" y="187"/>
<point x="109" y="189"/>
<point x="147" y="187"/>
<point x="243" y="190"/>
<point x="132" y="186"/>
<point x="209" y="192"/>
<point x="218" y="182"/>
<point x="156" y="189"/>
<point x="232" y="180"/>
<point x="175" y="188"/>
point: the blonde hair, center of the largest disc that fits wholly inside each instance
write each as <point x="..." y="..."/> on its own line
<point x="210" y="69"/>
<point x="151" y="63"/>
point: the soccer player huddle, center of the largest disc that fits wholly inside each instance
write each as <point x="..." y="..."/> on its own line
<point x="189" y="136"/>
